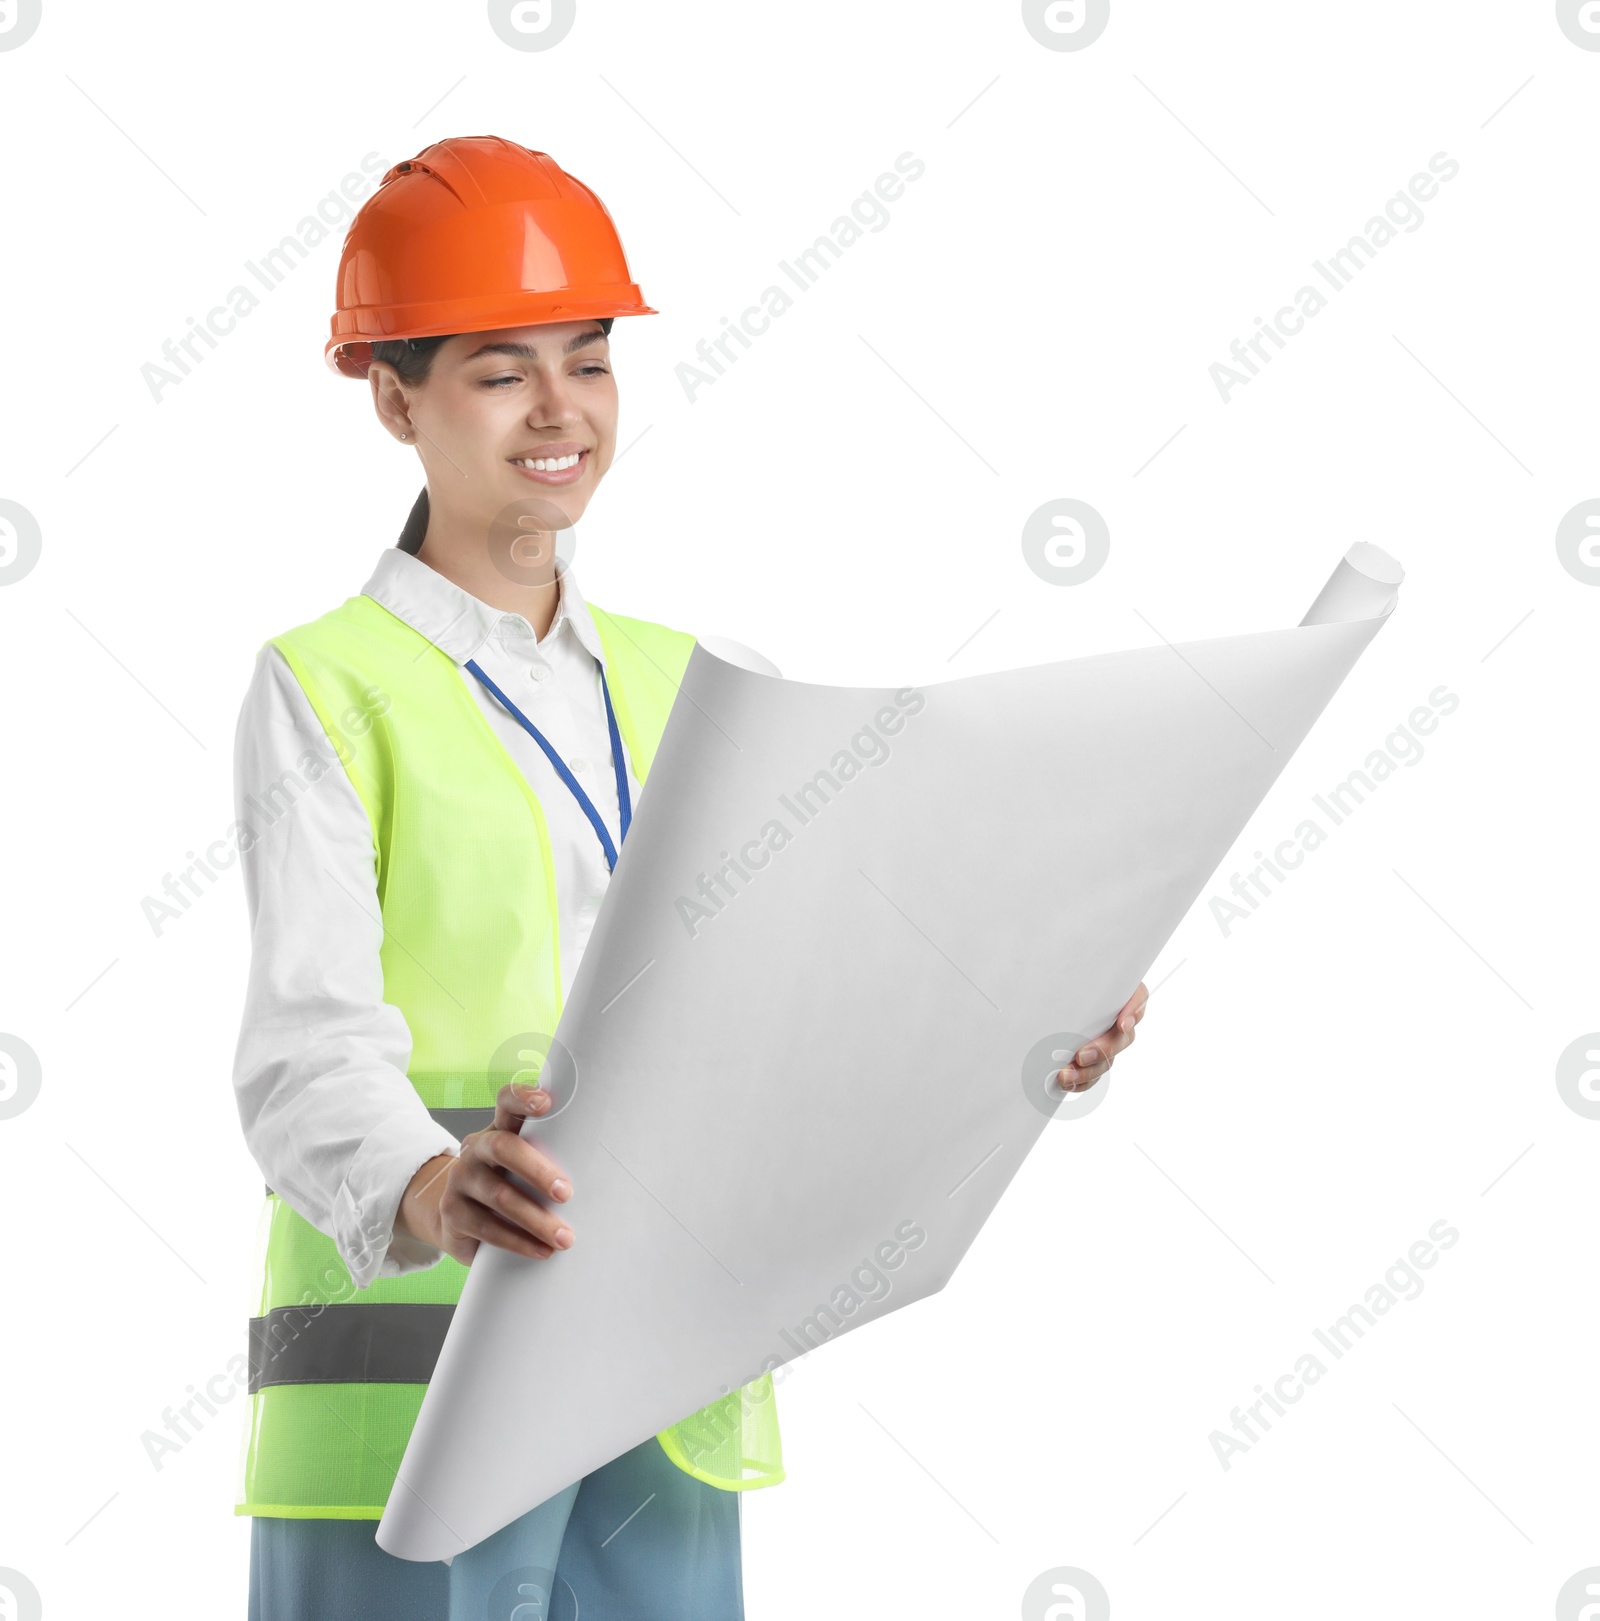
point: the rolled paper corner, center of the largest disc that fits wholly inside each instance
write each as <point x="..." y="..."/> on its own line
<point x="1365" y="584"/>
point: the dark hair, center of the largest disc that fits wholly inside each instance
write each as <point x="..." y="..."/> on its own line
<point x="412" y="358"/>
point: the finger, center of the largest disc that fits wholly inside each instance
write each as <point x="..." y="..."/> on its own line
<point x="1079" y="1076"/>
<point x="488" y="1228"/>
<point x="1134" y="1007"/>
<point x="521" y="1158"/>
<point x="505" y="1149"/>
<point x="516" y="1103"/>
<point x="1095" y="1056"/>
<point x="1131" y="1014"/>
<point x="481" y="1191"/>
<point x="1073" y="1080"/>
<point x="1110" y="1042"/>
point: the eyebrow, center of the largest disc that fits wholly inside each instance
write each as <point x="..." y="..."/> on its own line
<point x="526" y="351"/>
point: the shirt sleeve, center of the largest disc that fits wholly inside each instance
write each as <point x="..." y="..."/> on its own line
<point x="320" y="1069"/>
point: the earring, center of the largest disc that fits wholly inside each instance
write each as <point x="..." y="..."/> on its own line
<point x="405" y="436"/>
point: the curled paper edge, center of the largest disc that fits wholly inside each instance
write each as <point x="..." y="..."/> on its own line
<point x="1364" y="585"/>
<point x="470" y="1463"/>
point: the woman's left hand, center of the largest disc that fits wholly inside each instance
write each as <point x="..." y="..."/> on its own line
<point x="1093" y="1059"/>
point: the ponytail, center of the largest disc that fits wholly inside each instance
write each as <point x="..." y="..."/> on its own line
<point x="416" y="529"/>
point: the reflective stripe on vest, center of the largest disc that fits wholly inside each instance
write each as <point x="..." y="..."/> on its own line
<point x="390" y="1344"/>
<point x="471" y="957"/>
<point x="461" y="1123"/>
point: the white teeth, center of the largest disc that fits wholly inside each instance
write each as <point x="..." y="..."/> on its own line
<point x="552" y="464"/>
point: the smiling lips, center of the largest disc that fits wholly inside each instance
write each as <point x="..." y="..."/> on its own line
<point x="566" y="466"/>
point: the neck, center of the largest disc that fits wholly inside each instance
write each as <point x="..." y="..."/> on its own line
<point x="475" y="571"/>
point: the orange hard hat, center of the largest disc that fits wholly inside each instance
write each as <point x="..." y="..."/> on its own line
<point x="474" y="233"/>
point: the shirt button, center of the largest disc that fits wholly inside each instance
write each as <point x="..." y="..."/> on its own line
<point x="578" y="765"/>
<point x="538" y="672"/>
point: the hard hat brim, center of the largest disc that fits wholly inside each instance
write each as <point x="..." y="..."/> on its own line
<point x="349" y="349"/>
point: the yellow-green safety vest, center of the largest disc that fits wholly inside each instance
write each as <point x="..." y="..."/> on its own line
<point x="472" y="958"/>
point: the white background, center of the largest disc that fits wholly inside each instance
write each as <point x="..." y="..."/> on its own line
<point x="1365" y="1055"/>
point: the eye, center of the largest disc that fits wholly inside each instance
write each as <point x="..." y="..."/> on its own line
<point x="498" y="382"/>
<point x="593" y="369"/>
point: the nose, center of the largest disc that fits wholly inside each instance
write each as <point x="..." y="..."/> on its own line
<point x="553" y="403"/>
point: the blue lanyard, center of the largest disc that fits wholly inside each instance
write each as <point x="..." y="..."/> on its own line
<point x="618" y="762"/>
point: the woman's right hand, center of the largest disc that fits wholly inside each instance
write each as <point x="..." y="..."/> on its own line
<point x="456" y="1202"/>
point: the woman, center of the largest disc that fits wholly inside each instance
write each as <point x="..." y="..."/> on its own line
<point x="446" y="767"/>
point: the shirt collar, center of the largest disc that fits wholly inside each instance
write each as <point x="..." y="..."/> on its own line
<point x="454" y="620"/>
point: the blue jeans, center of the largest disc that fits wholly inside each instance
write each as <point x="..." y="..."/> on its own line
<point x="636" y="1540"/>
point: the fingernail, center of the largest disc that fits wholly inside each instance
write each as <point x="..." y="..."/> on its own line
<point x="564" y="1237"/>
<point x="560" y="1188"/>
<point x="1089" y="1055"/>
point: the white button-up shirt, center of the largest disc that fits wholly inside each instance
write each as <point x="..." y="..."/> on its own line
<point x="320" y="1071"/>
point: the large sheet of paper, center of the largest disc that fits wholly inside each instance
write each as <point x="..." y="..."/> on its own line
<point x="852" y="934"/>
